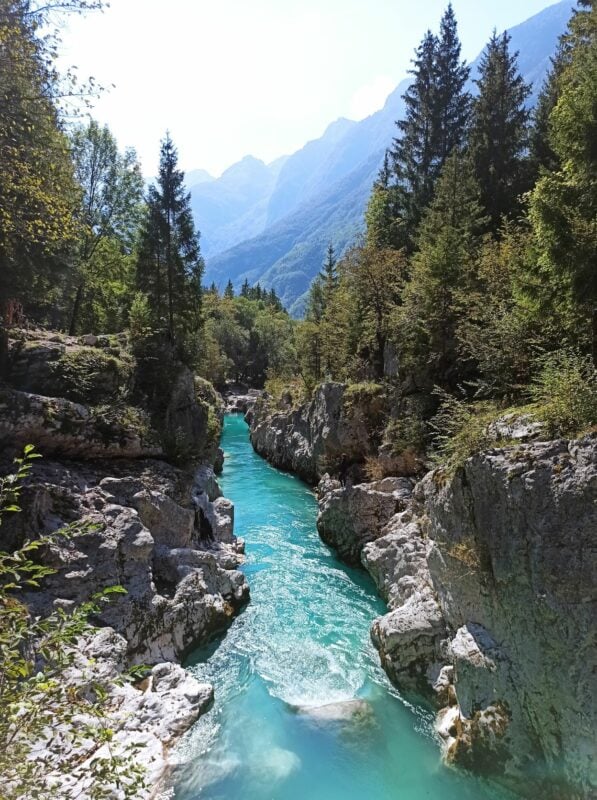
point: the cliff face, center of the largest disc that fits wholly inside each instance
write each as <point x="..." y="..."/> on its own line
<point x="488" y="575"/>
<point x="512" y="559"/>
<point x="332" y="431"/>
<point x="162" y="532"/>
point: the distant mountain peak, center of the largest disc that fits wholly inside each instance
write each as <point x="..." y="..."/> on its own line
<point x="318" y="195"/>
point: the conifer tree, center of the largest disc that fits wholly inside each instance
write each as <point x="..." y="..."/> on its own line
<point x="170" y="266"/>
<point x="564" y="201"/>
<point x="442" y="271"/>
<point x="453" y="103"/>
<point x="412" y="152"/>
<point x="437" y="112"/>
<point x="330" y="273"/>
<point x="229" y="290"/>
<point x="499" y="134"/>
<point x="245" y="289"/>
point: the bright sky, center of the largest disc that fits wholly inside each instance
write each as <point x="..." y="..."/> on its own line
<point x="232" y="77"/>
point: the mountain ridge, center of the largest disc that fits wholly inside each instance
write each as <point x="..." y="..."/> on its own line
<point x="321" y="191"/>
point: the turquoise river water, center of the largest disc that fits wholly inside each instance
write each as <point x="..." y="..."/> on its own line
<point x="302" y="641"/>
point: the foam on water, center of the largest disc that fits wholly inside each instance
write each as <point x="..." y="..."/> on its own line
<point x="303" y="641"/>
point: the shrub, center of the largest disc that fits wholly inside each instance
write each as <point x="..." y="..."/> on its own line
<point x="460" y="430"/>
<point x="377" y="468"/>
<point x="565" y="390"/>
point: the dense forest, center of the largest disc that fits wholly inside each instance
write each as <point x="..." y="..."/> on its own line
<point x="475" y="279"/>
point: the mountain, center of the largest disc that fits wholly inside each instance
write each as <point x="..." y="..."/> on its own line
<point x="196" y="176"/>
<point x="277" y="231"/>
<point x="234" y="206"/>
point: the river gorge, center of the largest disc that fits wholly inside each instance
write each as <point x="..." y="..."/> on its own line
<point x="302" y="707"/>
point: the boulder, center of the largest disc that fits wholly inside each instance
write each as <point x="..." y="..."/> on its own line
<point x="351" y="516"/>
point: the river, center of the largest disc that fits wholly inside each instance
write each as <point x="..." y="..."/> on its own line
<point x="303" y="641"/>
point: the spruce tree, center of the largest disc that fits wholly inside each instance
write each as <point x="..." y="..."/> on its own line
<point x="499" y="134"/>
<point x="229" y="290"/>
<point x="245" y="289"/>
<point x="442" y="272"/>
<point x="437" y="112"/>
<point x="412" y="152"/>
<point x="170" y="266"/>
<point x="452" y="101"/>
<point x="329" y="275"/>
<point x="564" y="201"/>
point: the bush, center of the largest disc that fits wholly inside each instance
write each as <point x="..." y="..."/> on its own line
<point x="565" y="390"/>
<point x="460" y="430"/>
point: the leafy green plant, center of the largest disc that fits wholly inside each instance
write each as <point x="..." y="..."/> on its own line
<point x="460" y="430"/>
<point x="565" y="390"/>
<point x="45" y="748"/>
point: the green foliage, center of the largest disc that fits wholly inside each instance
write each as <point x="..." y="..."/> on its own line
<point x="499" y="132"/>
<point x="112" y="187"/>
<point x="90" y="375"/>
<point x="564" y="201"/>
<point x="246" y="339"/>
<point x="169" y="265"/>
<point x="437" y="110"/>
<point x="565" y="391"/>
<point x="442" y="272"/>
<point x="460" y="430"/>
<point x="37" y="186"/>
<point x="40" y="699"/>
<point x="139" y="317"/>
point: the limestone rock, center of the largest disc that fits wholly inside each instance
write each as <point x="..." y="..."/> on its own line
<point x="512" y="561"/>
<point x="351" y="516"/>
<point x="62" y="427"/>
<point x="150" y="717"/>
<point x="326" y="432"/>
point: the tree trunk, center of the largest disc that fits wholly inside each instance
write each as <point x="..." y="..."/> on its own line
<point x="594" y="337"/>
<point x="76" y="309"/>
<point x="3" y="347"/>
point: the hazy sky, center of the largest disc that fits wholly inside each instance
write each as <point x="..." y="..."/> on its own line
<point x="231" y="77"/>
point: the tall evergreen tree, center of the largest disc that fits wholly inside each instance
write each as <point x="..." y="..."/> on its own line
<point x="412" y="151"/>
<point x="170" y="266"/>
<point x="499" y="134"/>
<point x="329" y="274"/>
<point x="453" y="103"/>
<point x="564" y="201"/>
<point x="442" y="271"/>
<point x="229" y="290"/>
<point x="437" y="112"/>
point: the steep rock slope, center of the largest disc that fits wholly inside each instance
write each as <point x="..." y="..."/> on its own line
<point x="489" y="577"/>
<point x="162" y="532"/>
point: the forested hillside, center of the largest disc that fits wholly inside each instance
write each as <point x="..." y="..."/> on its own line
<point x="321" y="193"/>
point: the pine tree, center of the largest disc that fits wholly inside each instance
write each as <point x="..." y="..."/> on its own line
<point x="170" y="266"/>
<point x="437" y="112"/>
<point x="412" y="152"/>
<point x="245" y="289"/>
<point x="453" y="103"/>
<point x="229" y="290"/>
<point x="329" y="274"/>
<point x="442" y="270"/>
<point x="499" y="133"/>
